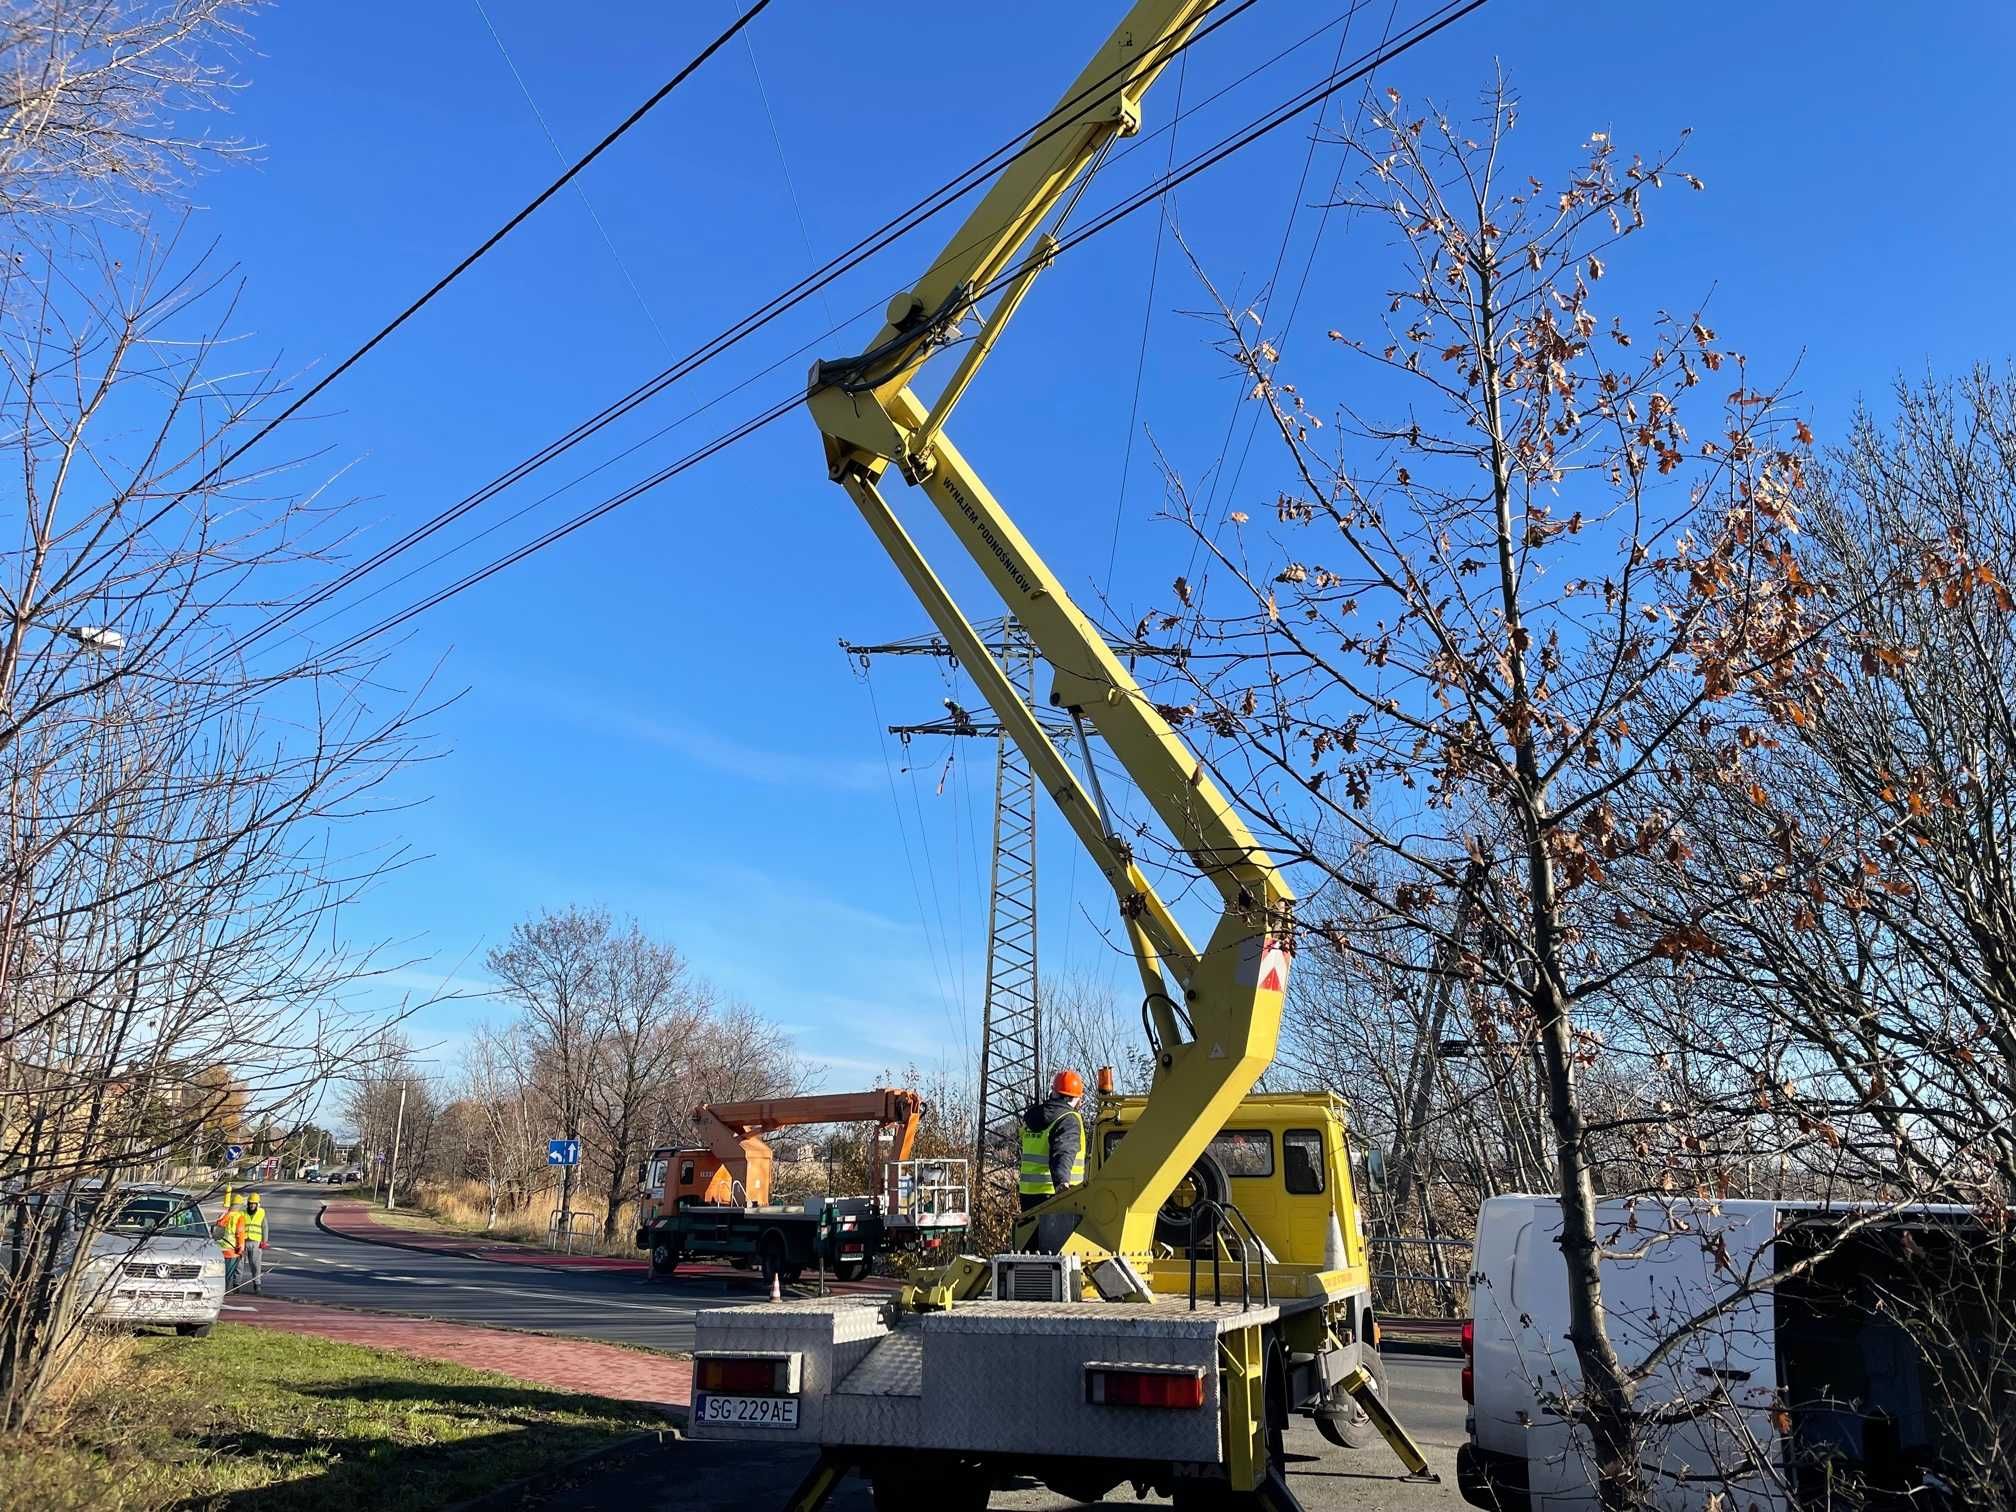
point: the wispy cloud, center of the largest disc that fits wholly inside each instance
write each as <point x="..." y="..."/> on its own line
<point x="717" y="752"/>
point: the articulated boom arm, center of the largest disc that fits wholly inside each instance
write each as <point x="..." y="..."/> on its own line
<point x="734" y="1131"/>
<point x="1217" y="1032"/>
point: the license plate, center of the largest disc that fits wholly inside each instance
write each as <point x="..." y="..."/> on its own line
<point x="747" y="1412"/>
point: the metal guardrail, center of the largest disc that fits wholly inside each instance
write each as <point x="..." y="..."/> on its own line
<point x="566" y="1229"/>
<point x="1449" y="1289"/>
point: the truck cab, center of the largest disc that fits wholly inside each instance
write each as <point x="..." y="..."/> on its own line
<point x="1283" y="1162"/>
<point x="678" y="1176"/>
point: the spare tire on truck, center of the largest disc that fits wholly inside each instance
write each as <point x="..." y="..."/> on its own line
<point x="1178" y="1224"/>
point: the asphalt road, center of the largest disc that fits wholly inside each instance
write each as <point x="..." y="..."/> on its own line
<point x="308" y="1265"/>
<point x="685" y="1476"/>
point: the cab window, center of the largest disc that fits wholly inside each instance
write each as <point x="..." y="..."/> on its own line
<point x="685" y="1173"/>
<point x="1242" y="1152"/>
<point x="1302" y="1161"/>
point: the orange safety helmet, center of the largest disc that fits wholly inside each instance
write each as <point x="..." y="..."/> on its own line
<point x="1068" y="1082"/>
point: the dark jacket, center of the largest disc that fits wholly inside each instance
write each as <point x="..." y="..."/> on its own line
<point x="1065" y="1138"/>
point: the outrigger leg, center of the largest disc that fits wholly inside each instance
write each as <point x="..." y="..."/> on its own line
<point x="1365" y="1393"/>
<point x="819" y="1485"/>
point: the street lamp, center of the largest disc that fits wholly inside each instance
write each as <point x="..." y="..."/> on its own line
<point x="91" y="637"/>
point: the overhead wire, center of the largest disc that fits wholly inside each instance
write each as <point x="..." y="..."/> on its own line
<point x="1059" y="119"/>
<point x="932" y="947"/>
<point x="783" y="158"/>
<point x="609" y="139"/>
<point x="580" y="190"/>
<point x="1280" y="338"/>
<point x="1269" y="121"/>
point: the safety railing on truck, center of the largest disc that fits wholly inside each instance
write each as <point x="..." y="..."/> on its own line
<point x="930" y="1194"/>
<point x="1224" y="1216"/>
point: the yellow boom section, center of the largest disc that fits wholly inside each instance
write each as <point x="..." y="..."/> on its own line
<point x="1217" y="1011"/>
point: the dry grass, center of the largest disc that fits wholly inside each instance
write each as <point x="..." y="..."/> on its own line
<point x="88" y="1364"/>
<point x="465" y="1207"/>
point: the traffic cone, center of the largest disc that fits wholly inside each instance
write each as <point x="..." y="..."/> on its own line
<point x="776" y="1286"/>
<point x="1333" y="1247"/>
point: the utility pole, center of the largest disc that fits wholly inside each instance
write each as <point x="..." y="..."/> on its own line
<point x="1011" y="1034"/>
<point x="392" y="1170"/>
<point x="1011" y="1031"/>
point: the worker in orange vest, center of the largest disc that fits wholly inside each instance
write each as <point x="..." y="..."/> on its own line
<point x="231" y="1238"/>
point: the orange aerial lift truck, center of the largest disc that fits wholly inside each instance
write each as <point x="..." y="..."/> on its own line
<point x="711" y="1200"/>
<point x="1157" y="1325"/>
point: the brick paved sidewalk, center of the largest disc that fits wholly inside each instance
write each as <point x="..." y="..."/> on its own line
<point x="629" y="1375"/>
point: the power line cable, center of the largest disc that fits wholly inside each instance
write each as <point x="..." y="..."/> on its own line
<point x="894" y="229"/>
<point x="1437" y="21"/>
<point x="609" y="140"/>
<point x="580" y="191"/>
<point x="783" y="160"/>
<point x="1281" y="336"/>
<point x="948" y="193"/>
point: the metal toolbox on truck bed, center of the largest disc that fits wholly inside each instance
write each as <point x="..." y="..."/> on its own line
<point x="985" y="1377"/>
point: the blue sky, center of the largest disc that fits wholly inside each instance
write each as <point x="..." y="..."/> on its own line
<point x="657" y="716"/>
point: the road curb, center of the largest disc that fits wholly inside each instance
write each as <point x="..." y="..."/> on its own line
<point x="463" y="1252"/>
<point x="512" y="1496"/>
<point x="1434" y="1348"/>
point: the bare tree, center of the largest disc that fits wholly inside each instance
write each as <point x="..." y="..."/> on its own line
<point x="1454" y="659"/>
<point x="93" y="97"/>
<point x="652" y="1010"/>
<point x="1085" y="1028"/>
<point x="511" y="1159"/>
<point x="170" y="877"/>
<point x="550" y="968"/>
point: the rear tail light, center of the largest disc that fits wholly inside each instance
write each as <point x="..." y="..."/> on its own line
<point x="746" y="1374"/>
<point x="1145" y="1385"/>
<point x="1469" y="1360"/>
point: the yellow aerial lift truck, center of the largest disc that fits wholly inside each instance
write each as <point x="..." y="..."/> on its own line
<point x="1156" y="1326"/>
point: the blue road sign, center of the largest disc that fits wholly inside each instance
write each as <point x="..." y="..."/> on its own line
<point x="563" y="1152"/>
<point x="233" y="1154"/>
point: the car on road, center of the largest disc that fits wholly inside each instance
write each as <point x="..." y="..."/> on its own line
<point x="154" y="1263"/>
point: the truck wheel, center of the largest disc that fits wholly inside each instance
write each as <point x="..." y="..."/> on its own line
<point x="194" y="1330"/>
<point x="664" y="1258"/>
<point x="1343" y="1422"/>
<point x="850" y="1270"/>
<point x="770" y="1251"/>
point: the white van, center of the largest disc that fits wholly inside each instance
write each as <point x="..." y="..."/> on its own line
<point x="1785" y="1394"/>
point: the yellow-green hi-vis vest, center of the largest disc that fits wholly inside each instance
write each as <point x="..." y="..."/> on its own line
<point x="1035" y="1180"/>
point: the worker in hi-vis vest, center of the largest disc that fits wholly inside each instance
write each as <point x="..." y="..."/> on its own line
<point x="1053" y="1142"/>
<point x="253" y="1259"/>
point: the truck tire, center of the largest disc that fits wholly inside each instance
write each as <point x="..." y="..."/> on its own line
<point x="1174" y="1219"/>
<point x="770" y="1251"/>
<point x="1343" y="1422"/>
<point x="194" y="1330"/>
<point x="664" y="1257"/>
